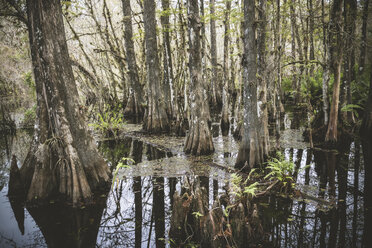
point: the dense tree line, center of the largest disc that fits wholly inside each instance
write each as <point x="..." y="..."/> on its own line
<point x="178" y="66"/>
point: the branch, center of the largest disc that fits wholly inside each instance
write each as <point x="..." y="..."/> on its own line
<point x="84" y="71"/>
<point x="17" y="11"/>
<point x="304" y="62"/>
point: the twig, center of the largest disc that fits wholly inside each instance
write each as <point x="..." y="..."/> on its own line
<point x="268" y="188"/>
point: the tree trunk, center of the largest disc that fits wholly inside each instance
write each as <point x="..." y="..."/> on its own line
<point x="156" y="119"/>
<point x="180" y="82"/>
<point x="225" y="123"/>
<point x="250" y="151"/>
<point x="325" y="80"/>
<point x="135" y="102"/>
<point x="214" y="79"/>
<point x="167" y="57"/>
<point x="278" y="52"/>
<point x="350" y="12"/>
<point x="311" y="35"/>
<point x="262" y="86"/>
<point x="335" y="61"/>
<point x="199" y="138"/>
<point x="363" y="43"/>
<point x="63" y="158"/>
<point x="203" y="38"/>
<point x="366" y="127"/>
<point x="293" y="51"/>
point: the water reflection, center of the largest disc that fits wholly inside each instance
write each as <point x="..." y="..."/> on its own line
<point x="140" y="210"/>
<point x="63" y="226"/>
<point x="367" y="153"/>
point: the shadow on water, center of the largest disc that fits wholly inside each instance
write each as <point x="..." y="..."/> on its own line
<point x="140" y="210"/>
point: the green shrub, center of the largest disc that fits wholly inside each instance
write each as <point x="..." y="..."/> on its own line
<point x="110" y="121"/>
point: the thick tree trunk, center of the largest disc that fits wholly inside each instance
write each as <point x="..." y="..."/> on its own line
<point x="63" y="158"/>
<point x="199" y="138"/>
<point x="225" y="123"/>
<point x="335" y="55"/>
<point x="251" y="150"/>
<point x="134" y="106"/>
<point x="156" y="119"/>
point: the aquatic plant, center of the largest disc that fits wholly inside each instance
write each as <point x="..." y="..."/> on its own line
<point x="281" y="170"/>
<point x="122" y="164"/>
<point x="110" y="121"/>
<point x="237" y="186"/>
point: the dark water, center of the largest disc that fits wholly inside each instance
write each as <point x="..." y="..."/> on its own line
<point x="137" y="211"/>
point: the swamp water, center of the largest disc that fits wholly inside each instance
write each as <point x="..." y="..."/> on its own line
<point x="137" y="211"/>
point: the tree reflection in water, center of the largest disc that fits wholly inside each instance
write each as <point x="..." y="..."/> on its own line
<point x="138" y="208"/>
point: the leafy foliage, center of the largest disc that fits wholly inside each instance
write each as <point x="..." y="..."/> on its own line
<point x="251" y="189"/>
<point x="110" y="121"/>
<point x="237" y="184"/>
<point x="280" y="169"/>
<point x="351" y="108"/>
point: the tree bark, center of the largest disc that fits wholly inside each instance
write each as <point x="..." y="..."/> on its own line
<point x="199" y="138"/>
<point x="167" y="57"/>
<point x="293" y="51"/>
<point x="335" y="61"/>
<point x="350" y="12"/>
<point x="63" y="158"/>
<point x="366" y="127"/>
<point x="278" y="53"/>
<point x="250" y="150"/>
<point x="262" y="82"/>
<point x="311" y="35"/>
<point x="363" y="43"/>
<point x="214" y="79"/>
<point x="156" y="120"/>
<point x="135" y="103"/>
<point x="225" y="123"/>
<point x="325" y="80"/>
